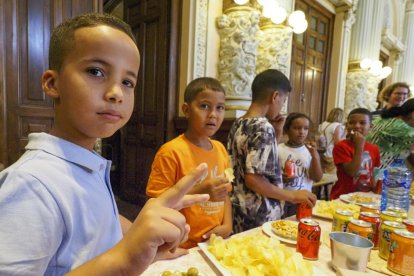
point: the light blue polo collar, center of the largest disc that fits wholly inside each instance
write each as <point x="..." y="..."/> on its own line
<point x="66" y="150"/>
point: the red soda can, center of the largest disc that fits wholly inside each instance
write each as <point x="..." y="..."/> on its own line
<point x="303" y="211"/>
<point x="289" y="168"/>
<point x="375" y="221"/>
<point x="309" y="236"/>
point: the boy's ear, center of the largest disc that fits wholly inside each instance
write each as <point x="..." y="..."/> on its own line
<point x="274" y="96"/>
<point x="185" y="108"/>
<point x="49" y="83"/>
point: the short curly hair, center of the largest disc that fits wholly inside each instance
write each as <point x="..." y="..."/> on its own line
<point x="62" y="38"/>
<point x="387" y="91"/>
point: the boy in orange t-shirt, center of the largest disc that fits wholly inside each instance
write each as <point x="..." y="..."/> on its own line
<point x="204" y="106"/>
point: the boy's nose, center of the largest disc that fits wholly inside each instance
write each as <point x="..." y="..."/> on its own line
<point x="212" y="114"/>
<point x="114" y="93"/>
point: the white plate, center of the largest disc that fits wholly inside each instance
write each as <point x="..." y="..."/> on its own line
<point x="267" y="229"/>
<point x="320" y="215"/>
<point x="203" y="246"/>
<point x="348" y="198"/>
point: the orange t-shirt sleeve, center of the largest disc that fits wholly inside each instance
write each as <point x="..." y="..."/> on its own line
<point x="163" y="175"/>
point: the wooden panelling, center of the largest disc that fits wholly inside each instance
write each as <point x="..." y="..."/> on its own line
<point x="310" y="63"/>
<point x="25" y="31"/>
<point x="146" y="131"/>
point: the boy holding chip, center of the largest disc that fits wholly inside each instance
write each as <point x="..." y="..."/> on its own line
<point x="204" y="106"/>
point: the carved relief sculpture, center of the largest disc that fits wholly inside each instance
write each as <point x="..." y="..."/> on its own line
<point x="275" y="44"/>
<point x="362" y="90"/>
<point x="237" y="28"/>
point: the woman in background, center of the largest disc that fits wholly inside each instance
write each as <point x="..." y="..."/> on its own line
<point x="392" y="95"/>
<point x="393" y="133"/>
<point x="333" y="131"/>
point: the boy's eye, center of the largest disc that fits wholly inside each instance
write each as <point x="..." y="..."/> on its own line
<point x="95" y="71"/>
<point x="221" y="107"/>
<point x="204" y="106"/>
<point x="128" y="83"/>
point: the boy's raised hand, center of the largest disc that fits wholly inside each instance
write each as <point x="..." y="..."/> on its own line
<point x="312" y="147"/>
<point x="358" y="139"/>
<point x="159" y="227"/>
<point x="217" y="188"/>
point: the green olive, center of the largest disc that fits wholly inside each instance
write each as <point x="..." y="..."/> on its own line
<point x="166" y="273"/>
<point x="192" y="271"/>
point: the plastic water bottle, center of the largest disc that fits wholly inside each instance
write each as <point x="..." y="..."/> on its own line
<point x="396" y="186"/>
<point x="363" y="179"/>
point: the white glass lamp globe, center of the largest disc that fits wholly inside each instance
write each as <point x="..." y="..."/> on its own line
<point x="385" y="72"/>
<point x="300" y="27"/>
<point x="269" y="8"/>
<point x="375" y="69"/>
<point x="279" y="15"/>
<point x="365" y="63"/>
<point x="241" y="2"/>
<point x="294" y="17"/>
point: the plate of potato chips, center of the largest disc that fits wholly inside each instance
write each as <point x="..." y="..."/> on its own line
<point x="255" y="254"/>
<point x="326" y="209"/>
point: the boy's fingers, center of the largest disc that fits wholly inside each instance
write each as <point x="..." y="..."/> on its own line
<point x="189" y="200"/>
<point x="173" y="197"/>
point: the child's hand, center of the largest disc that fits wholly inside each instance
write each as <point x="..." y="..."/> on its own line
<point x="217" y="188"/>
<point x="312" y="148"/>
<point x="221" y="230"/>
<point x="304" y="196"/>
<point x="358" y="139"/>
<point x="278" y="122"/>
<point x="159" y="227"/>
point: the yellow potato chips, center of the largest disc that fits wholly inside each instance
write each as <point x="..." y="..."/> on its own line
<point x="229" y="174"/>
<point x="328" y="208"/>
<point x="258" y="255"/>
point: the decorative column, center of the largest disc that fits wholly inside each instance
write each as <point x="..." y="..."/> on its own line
<point x="237" y="28"/>
<point x="361" y="85"/>
<point x="344" y="19"/>
<point x="406" y="69"/>
<point x="275" y="47"/>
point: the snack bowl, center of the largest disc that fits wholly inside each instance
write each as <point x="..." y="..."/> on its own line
<point x="350" y="251"/>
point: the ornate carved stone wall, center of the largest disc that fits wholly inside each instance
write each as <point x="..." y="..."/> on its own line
<point x="237" y="28"/>
<point x="362" y="90"/>
<point x="238" y="48"/>
<point x="275" y="46"/>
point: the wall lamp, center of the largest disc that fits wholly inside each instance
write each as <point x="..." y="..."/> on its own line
<point x="277" y="14"/>
<point x="375" y="68"/>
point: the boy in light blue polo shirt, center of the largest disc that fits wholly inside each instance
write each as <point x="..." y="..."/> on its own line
<point x="58" y="212"/>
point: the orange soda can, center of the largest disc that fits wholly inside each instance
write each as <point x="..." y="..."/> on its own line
<point x="361" y="228"/>
<point x="289" y="168"/>
<point x="401" y="255"/>
<point x="373" y="208"/>
<point x="387" y="227"/>
<point x="309" y="236"/>
<point x="303" y="211"/>
<point x="409" y="223"/>
<point x="375" y="221"/>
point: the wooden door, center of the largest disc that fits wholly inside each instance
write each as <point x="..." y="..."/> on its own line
<point x="146" y="131"/>
<point x="310" y="62"/>
<point x="25" y="28"/>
